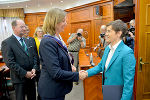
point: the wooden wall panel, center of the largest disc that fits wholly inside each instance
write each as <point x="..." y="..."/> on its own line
<point x="40" y="20"/>
<point x="32" y="29"/>
<point x="101" y="20"/>
<point x="107" y="10"/>
<point x="34" y="20"/>
<point x="30" y="19"/>
<point x="97" y="25"/>
<point x="67" y="30"/>
<point x="31" y="22"/>
<point x="83" y="17"/>
<point x="80" y="15"/>
<point x="86" y="26"/>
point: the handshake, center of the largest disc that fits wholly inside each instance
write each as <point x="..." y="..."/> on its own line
<point x="83" y="74"/>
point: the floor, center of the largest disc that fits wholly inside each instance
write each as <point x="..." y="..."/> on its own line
<point x="77" y="93"/>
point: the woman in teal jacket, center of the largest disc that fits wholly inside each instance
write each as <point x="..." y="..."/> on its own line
<point x="118" y="61"/>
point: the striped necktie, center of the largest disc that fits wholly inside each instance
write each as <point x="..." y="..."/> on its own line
<point x="23" y="45"/>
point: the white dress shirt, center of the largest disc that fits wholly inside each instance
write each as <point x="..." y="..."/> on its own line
<point x="111" y="53"/>
<point x="18" y="38"/>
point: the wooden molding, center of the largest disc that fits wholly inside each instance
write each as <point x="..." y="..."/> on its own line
<point x="87" y="5"/>
<point x="38" y="13"/>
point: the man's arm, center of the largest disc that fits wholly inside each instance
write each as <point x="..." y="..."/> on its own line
<point x="36" y="66"/>
<point x="9" y="60"/>
<point x="36" y="56"/>
<point x="82" y="41"/>
<point x="72" y="38"/>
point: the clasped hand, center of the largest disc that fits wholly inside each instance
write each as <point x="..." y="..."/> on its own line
<point x="31" y="74"/>
<point x="83" y="74"/>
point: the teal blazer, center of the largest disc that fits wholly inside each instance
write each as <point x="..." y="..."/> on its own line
<point x="120" y="70"/>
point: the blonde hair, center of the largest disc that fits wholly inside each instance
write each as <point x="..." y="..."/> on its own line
<point x="35" y="33"/>
<point x="53" y="17"/>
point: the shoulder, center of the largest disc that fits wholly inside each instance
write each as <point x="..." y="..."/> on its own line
<point x="8" y="40"/>
<point x="7" y="43"/>
<point x="125" y="50"/>
<point x="48" y="41"/>
<point x="35" y="38"/>
<point x="73" y="34"/>
<point x="107" y="47"/>
<point x="31" y="38"/>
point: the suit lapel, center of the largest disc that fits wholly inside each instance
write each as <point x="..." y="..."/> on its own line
<point x="65" y="53"/>
<point x="115" y="55"/>
<point x="63" y="49"/>
<point x="18" y="44"/>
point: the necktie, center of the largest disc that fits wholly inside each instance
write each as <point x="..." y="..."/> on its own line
<point x="23" y="45"/>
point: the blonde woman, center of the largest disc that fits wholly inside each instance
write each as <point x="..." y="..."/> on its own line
<point x="38" y="36"/>
<point x="57" y="73"/>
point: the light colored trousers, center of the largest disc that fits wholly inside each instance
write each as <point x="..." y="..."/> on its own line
<point x="76" y="60"/>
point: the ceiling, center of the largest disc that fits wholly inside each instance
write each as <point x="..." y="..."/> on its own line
<point x="33" y="6"/>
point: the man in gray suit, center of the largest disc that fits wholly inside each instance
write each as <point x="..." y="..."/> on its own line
<point x="19" y="57"/>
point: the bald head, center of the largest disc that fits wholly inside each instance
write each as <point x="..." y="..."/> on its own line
<point x="80" y="31"/>
<point x="132" y="22"/>
<point x="103" y="29"/>
<point x="18" y="27"/>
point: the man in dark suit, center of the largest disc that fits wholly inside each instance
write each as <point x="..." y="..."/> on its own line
<point x="32" y="41"/>
<point x="19" y="57"/>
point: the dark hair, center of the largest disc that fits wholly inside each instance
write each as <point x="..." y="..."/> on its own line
<point x="117" y="26"/>
<point x="14" y="23"/>
<point x="79" y="34"/>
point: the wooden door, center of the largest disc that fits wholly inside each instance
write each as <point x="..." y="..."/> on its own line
<point x="143" y="49"/>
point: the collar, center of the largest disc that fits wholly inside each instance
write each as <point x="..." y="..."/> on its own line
<point x="58" y="41"/>
<point x="17" y="37"/>
<point x="60" y="38"/>
<point x="115" y="46"/>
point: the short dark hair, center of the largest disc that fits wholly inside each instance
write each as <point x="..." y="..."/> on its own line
<point x="14" y="23"/>
<point x="119" y="25"/>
